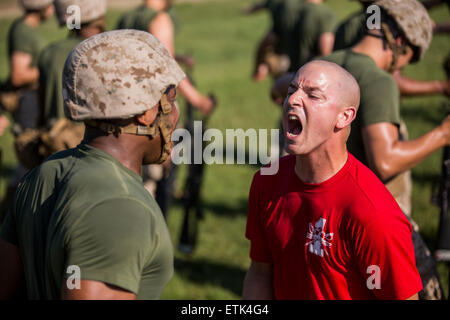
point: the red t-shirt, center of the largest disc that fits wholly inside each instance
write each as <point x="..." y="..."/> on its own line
<point x="344" y="238"/>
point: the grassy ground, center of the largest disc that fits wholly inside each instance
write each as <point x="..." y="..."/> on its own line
<point x="222" y="42"/>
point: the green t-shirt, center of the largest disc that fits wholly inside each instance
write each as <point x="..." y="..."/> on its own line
<point x="285" y="15"/>
<point x="350" y="31"/>
<point x="138" y="19"/>
<point x="25" y="39"/>
<point x="380" y="97"/>
<point x="314" y="20"/>
<point x="84" y="208"/>
<point x="51" y="65"/>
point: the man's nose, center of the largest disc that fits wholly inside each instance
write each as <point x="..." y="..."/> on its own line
<point x="295" y="99"/>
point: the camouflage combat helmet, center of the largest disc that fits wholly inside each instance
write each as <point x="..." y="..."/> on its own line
<point x="89" y="9"/>
<point x="414" y="21"/>
<point x="35" y="4"/>
<point x="117" y="75"/>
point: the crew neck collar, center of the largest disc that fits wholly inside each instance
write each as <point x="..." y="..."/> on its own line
<point x="88" y="149"/>
<point x="317" y="187"/>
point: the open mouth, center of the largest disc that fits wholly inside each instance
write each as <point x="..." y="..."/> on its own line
<point x="294" y="126"/>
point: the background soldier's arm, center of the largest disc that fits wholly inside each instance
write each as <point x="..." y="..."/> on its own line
<point x="388" y="156"/>
<point x="95" y="290"/>
<point x="162" y="28"/>
<point x="4" y="123"/>
<point x="411" y="87"/>
<point x="326" y="43"/>
<point x="21" y="71"/>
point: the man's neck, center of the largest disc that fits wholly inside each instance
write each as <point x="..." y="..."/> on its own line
<point x="121" y="148"/>
<point x="320" y="165"/>
<point x="315" y="1"/>
<point x="373" y="48"/>
<point x="32" y="20"/>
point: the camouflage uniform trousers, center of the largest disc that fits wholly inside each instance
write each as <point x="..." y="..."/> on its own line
<point x="401" y="189"/>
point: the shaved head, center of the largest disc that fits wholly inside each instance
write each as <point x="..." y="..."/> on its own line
<point x="344" y="84"/>
<point x="322" y="101"/>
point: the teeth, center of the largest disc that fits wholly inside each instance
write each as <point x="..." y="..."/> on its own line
<point x="292" y="118"/>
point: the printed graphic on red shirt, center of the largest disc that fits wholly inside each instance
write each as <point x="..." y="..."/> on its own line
<point x="318" y="238"/>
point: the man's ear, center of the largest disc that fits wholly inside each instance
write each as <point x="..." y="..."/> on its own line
<point x="345" y="117"/>
<point x="148" y="116"/>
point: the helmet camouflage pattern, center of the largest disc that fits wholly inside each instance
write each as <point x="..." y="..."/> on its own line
<point x="35" y="4"/>
<point x="117" y="74"/>
<point x="89" y="9"/>
<point x="414" y="21"/>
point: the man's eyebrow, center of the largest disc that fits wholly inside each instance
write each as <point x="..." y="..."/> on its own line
<point x="311" y="88"/>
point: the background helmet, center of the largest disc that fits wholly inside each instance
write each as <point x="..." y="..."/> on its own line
<point x="413" y="20"/>
<point x="35" y="4"/>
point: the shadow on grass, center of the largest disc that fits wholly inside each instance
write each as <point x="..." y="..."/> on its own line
<point x="230" y="209"/>
<point x="207" y="272"/>
<point x="227" y="209"/>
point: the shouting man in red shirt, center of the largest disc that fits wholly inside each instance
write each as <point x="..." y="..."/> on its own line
<point x="324" y="226"/>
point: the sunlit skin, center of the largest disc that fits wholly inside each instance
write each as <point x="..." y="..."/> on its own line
<point x="324" y="98"/>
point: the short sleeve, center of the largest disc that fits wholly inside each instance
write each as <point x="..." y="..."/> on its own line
<point x="19" y="43"/>
<point x="328" y="21"/>
<point x="259" y="250"/>
<point x="380" y="101"/>
<point x="112" y="243"/>
<point x="384" y="252"/>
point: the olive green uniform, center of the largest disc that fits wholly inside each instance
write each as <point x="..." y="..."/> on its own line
<point x="350" y="31"/>
<point x="25" y="109"/>
<point x="285" y="15"/>
<point x="313" y="21"/>
<point x="83" y="208"/>
<point x="138" y="19"/>
<point x="51" y="65"/>
<point x="23" y="38"/>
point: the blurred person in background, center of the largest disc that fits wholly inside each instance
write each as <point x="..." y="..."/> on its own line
<point x="19" y="94"/>
<point x="354" y="28"/>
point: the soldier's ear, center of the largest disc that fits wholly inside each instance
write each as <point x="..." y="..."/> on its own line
<point x="345" y="117"/>
<point x="148" y="116"/>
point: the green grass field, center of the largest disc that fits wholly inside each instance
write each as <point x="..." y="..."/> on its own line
<point x="223" y="43"/>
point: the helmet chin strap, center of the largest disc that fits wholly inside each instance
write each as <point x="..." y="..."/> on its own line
<point x="161" y="126"/>
<point x="388" y="38"/>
